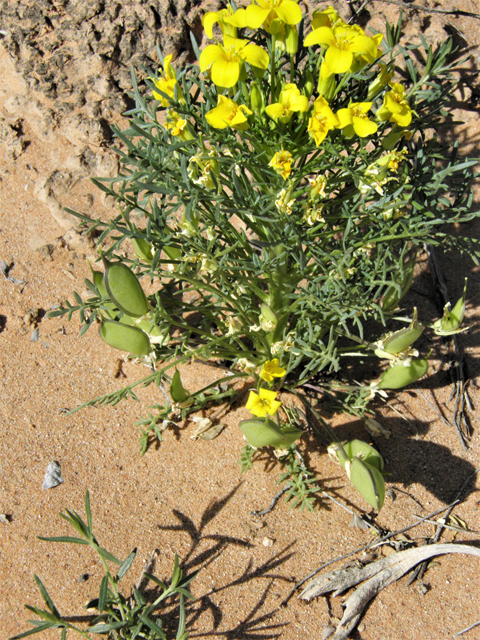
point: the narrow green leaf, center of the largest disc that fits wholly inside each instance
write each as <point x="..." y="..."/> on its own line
<point x="88" y="511"/>
<point x="63" y="539"/>
<point x="46" y="597"/>
<point x="41" y="627"/>
<point x="155" y="580"/>
<point x="107" y="627"/>
<point x="102" y="596"/>
<point x="153" y="626"/>
<point x="107" y="555"/>
<point x="127" y="563"/>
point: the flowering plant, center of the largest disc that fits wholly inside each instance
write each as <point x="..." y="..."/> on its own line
<point x="275" y="194"/>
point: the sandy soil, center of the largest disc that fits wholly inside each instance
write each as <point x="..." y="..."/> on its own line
<point x="188" y="497"/>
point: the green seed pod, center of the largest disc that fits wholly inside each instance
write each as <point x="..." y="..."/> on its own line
<point x="368" y="481"/>
<point x="257" y="100"/>
<point x="451" y="320"/>
<point x="143" y="249"/>
<point x="401" y="340"/>
<point x="173" y="253"/>
<point x="404" y="278"/>
<point x="264" y="432"/>
<point x="363" y="451"/>
<point x="400" y="376"/>
<point x="126" y="338"/>
<point x="177" y="390"/>
<point x="309" y="85"/>
<point x="124" y="289"/>
<point x="291" y="39"/>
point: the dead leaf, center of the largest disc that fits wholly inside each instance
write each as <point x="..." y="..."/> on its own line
<point x="375" y="577"/>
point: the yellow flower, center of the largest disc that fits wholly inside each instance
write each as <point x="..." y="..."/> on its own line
<point x="326" y="18"/>
<point x="354" y="119"/>
<point x="228" y="114"/>
<point x="342" y="42"/>
<point x="177" y="126"/>
<point x="226" y="61"/>
<point x="272" y="15"/>
<point x="282" y="163"/>
<point x="212" y="17"/>
<point x="166" y="83"/>
<point x="395" y="107"/>
<point x="290" y="100"/>
<point x="317" y="186"/>
<point x="263" y="404"/>
<point x="271" y="370"/>
<point x="322" y="120"/>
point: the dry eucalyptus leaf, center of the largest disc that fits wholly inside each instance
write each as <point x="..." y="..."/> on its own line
<point x="375" y="577"/>
<point x="53" y="475"/>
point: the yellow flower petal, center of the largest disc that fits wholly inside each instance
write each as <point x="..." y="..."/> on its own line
<point x="225" y="73"/>
<point x="364" y="127"/>
<point x="208" y="56"/>
<point x="338" y="60"/>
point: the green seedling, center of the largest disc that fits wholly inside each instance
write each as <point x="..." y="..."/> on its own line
<point x="120" y="617"/>
<point x="124" y="337"/>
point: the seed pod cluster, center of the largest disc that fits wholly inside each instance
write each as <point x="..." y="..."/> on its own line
<point x="121" y="286"/>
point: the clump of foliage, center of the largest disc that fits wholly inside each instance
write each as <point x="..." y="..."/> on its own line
<point x="275" y="196"/>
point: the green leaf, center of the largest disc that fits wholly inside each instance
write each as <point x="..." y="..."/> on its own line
<point x="107" y="555"/>
<point x="106" y="627"/>
<point x="41" y="627"/>
<point x="155" y="580"/>
<point x="88" y="511"/>
<point x="63" y="539"/>
<point x="153" y="626"/>
<point x="102" y="597"/>
<point x="127" y="563"/>
<point x="46" y="597"/>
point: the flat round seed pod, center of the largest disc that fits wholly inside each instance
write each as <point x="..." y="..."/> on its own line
<point x="124" y="337"/>
<point x="125" y="290"/>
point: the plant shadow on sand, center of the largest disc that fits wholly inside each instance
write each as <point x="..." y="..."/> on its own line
<point x="254" y="624"/>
